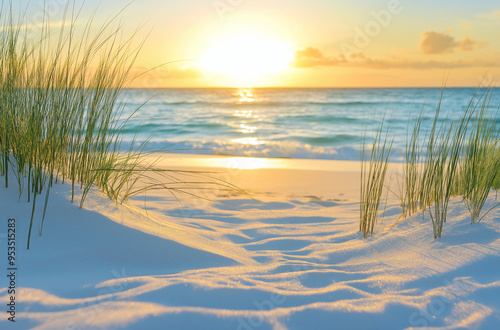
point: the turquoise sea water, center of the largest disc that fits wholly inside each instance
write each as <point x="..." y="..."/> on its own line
<point x="284" y="122"/>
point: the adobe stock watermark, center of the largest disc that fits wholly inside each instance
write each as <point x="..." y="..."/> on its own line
<point x="256" y="318"/>
<point x="364" y="35"/>
<point x="210" y="191"/>
<point x="47" y="9"/>
<point x="151" y="78"/>
<point x="96" y="305"/>
<point x="440" y="304"/>
<point x="222" y="7"/>
<point x="488" y="80"/>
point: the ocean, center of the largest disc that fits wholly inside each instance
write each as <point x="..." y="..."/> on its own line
<point x="323" y="123"/>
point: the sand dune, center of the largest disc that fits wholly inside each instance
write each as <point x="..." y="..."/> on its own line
<point x="291" y="259"/>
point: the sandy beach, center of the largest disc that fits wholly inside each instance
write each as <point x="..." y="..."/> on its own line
<point x="285" y="255"/>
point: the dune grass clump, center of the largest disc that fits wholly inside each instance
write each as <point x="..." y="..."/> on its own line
<point x="444" y="147"/>
<point x="60" y="107"/>
<point x="480" y="164"/>
<point x="496" y="180"/>
<point x="459" y="160"/>
<point x="373" y="173"/>
<point x="458" y="157"/>
<point x="409" y="194"/>
<point x="61" y="114"/>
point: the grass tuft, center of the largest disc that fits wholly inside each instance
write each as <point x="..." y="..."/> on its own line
<point x="59" y="96"/>
<point x="373" y="175"/>
<point x="480" y="165"/>
<point x="459" y="157"/>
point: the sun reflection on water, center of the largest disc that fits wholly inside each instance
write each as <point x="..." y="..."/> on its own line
<point x="247" y="129"/>
<point x="247" y="119"/>
<point x="249" y="140"/>
<point x="245" y="114"/>
<point x="246" y="95"/>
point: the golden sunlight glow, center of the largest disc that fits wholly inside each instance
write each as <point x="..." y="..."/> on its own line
<point x="249" y="140"/>
<point x="245" y="114"/>
<point x="250" y="163"/>
<point x="247" y="57"/>
<point x="246" y="96"/>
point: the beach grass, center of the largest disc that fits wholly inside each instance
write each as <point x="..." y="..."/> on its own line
<point x="60" y="106"/>
<point x="62" y="115"/>
<point x="496" y="181"/>
<point x="442" y="157"/>
<point x="373" y="174"/>
<point x="457" y="157"/>
<point x="480" y="163"/>
<point x="411" y="185"/>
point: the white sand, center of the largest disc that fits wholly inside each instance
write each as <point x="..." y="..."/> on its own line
<point x="294" y="261"/>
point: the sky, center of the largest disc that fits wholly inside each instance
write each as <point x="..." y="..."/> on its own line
<point x="292" y="43"/>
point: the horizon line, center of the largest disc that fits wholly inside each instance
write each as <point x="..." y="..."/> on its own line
<point x="308" y="87"/>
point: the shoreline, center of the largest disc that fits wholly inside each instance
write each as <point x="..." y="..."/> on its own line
<point x="244" y="162"/>
<point x="261" y="177"/>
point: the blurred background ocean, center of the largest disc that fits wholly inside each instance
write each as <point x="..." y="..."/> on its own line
<point x="285" y="122"/>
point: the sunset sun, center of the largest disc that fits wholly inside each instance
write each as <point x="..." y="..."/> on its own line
<point x="247" y="57"/>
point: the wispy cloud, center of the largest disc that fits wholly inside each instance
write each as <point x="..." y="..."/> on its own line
<point x="426" y="65"/>
<point x="433" y="42"/>
<point x="492" y="15"/>
<point x="313" y="57"/>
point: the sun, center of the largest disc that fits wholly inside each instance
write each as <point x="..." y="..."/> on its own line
<point x="247" y="57"/>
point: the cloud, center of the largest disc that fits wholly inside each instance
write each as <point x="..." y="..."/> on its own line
<point x="433" y="42"/>
<point x="310" y="52"/>
<point x="492" y="15"/>
<point x="426" y="65"/>
<point x="467" y="44"/>
<point x="311" y="57"/>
